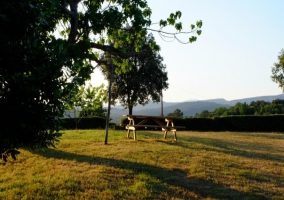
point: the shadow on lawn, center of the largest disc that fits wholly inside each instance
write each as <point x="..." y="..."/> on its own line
<point x="150" y="134"/>
<point x="175" y="177"/>
<point x="241" y="149"/>
<point x="223" y="146"/>
<point x="273" y="135"/>
<point x="154" y="135"/>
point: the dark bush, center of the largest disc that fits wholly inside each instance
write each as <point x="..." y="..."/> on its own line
<point x="236" y="123"/>
<point x="85" y="123"/>
<point x="272" y="123"/>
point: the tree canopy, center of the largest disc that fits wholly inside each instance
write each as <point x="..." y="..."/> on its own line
<point x="92" y="100"/>
<point x="176" y="113"/>
<point x="254" y="108"/>
<point x="31" y="78"/>
<point x="278" y="70"/>
<point x="86" y="102"/>
<point x="144" y="82"/>
<point x="39" y="68"/>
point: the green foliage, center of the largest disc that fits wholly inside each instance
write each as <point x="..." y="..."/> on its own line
<point x="31" y="78"/>
<point x="176" y="113"/>
<point x="204" y="113"/>
<point x="89" y="99"/>
<point x="278" y="70"/>
<point x="85" y="123"/>
<point x="272" y="123"/>
<point x="254" y="108"/>
<point x="144" y="82"/>
<point x="86" y="102"/>
<point x="39" y="70"/>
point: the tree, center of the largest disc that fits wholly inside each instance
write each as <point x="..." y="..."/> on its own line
<point x="241" y="109"/>
<point x="144" y="82"/>
<point x="176" y="113"/>
<point x="221" y="111"/>
<point x="31" y="79"/>
<point x="38" y="69"/>
<point x="89" y="25"/>
<point x="92" y="102"/>
<point x="254" y="108"/>
<point x="278" y="70"/>
<point x="89" y="100"/>
<point x="204" y="113"/>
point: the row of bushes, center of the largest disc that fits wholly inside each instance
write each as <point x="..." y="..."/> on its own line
<point x="273" y="123"/>
<point x="237" y="123"/>
<point x="85" y="123"/>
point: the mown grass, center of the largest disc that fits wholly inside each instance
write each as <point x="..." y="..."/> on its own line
<point x="200" y="165"/>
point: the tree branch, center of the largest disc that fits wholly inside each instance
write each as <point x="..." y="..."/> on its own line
<point x="114" y="51"/>
<point x="168" y="33"/>
<point x="98" y="61"/>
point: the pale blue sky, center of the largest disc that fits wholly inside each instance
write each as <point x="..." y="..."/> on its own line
<point x="232" y="59"/>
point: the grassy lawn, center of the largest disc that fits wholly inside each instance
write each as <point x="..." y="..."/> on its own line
<point x="200" y="165"/>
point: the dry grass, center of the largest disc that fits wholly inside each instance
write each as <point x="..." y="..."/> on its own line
<point x="201" y="165"/>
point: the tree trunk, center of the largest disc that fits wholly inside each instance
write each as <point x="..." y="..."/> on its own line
<point x="162" y="107"/>
<point x="76" y="120"/>
<point x="74" y="21"/>
<point x="109" y="100"/>
<point x="130" y="110"/>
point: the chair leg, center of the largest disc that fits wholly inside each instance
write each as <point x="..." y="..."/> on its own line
<point x="165" y="135"/>
<point x="175" y="135"/>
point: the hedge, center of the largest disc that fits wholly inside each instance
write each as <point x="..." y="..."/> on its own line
<point x="271" y="123"/>
<point x="85" y="123"/>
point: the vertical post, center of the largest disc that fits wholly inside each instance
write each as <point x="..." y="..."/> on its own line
<point x="109" y="100"/>
<point x="161" y="99"/>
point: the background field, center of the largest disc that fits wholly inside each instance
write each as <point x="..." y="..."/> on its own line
<point x="200" y="165"/>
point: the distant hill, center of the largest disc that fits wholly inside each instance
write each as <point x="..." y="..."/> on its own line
<point x="150" y="105"/>
<point x="264" y="98"/>
<point x="247" y="100"/>
<point x="189" y="108"/>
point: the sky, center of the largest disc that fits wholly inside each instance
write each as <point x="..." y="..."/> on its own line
<point x="231" y="59"/>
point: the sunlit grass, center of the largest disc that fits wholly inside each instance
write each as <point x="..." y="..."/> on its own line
<point x="200" y="165"/>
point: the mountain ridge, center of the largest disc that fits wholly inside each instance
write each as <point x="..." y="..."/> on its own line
<point x="189" y="108"/>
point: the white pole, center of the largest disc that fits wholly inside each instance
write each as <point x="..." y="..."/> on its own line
<point x="161" y="99"/>
<point x="109" y="101"/>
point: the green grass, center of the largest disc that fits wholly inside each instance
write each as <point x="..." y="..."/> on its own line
<point x="200" y="165"/>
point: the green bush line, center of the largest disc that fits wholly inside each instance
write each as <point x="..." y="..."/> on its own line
<point x="272" y="123"/>
<point x="84" y="123"/>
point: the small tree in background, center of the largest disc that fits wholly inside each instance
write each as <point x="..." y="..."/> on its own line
<point x="176" y="113"/>
<point x="278" y="70"/>
<point x="146" y="79"/>
<point x="88" y="100"/>
<point x="204" y="113"/>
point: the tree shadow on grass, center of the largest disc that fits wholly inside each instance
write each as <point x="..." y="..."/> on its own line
<point x="225" y="147"/>
<point x="175" y="177"/>
<point x="150" y="134"/>
<point x="232" y="148"/>
<point x="272" y="135"/>
<point x="222" y="146"/>
<point x="144" y="134"/>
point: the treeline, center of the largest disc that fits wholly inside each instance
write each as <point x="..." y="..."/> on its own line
<point x="254" y="108"/>
<point x="245" y="123"/>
